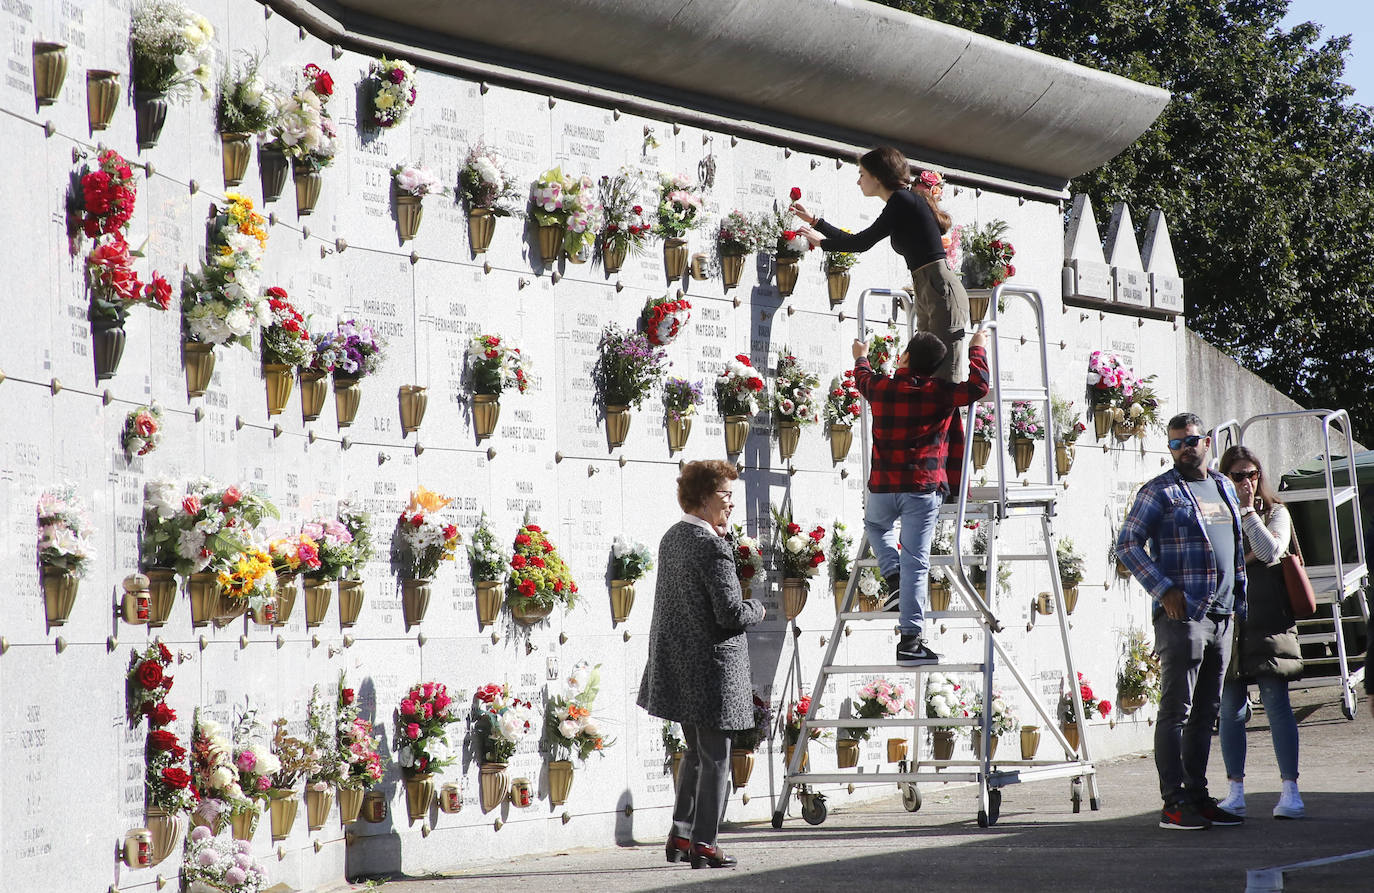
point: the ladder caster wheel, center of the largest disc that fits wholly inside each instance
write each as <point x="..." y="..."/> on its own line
<point x="1095" y="804"/>
<point x="911" y="797"/>
<point x="813" y="809"/>
<point x="777" y="820"/>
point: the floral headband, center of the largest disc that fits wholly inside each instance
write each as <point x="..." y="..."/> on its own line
<point x="932" y="181"/>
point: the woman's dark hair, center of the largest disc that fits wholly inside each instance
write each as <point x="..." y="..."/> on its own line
<point x="888" y="166"/>
<point x="1264" y="491"/>
<point x="702" y="478"/>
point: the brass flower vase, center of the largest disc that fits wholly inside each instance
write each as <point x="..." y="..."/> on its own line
<point x="347" y="397"/>
<point x="235" y="150"/>
<point x="982" y="449"/>
<point x="741" y="767"/>
<point x="245" y="823"/>
<point x="49" y="71"/>
<point x="939" y="594"/>
<point x="617" y="425"/>
<point x="1070" y="730"/>
<point x="488" y="601"/>
<point x="837" y="285"/>
<point x="560" y="781"/>
<point x="314" y="388"/>
<point x="350" y="804"/>
<point x="613" y="255"/>
<point x="674" y="258"/>
<point x="1129" y="704"/>
<point x="286" y="598"/>
<point x="978" y="301"/>
<point x="787" y="759"/>
<point x="846" y="753"/>
<point x="495" y="785"/>
<point x="282" y="808"/>
<point x="414" y="601"/>
<point x="1030" y="741"/>
<point x="419" y="794"/>
<point x="942" y="744"/>
<point x="678" y="432"/>
<point x="1022" y="452"/>
<point x="622" y="599"/>
<point x="107" y="348"/>
<point x="789" y="433"/>
<point x="162" y="594"/>
<point x="319" y="592"/>
<point x="486" y="410"/>
<point x="413" y="400"/>
<point x="317" y="806"/>
<point x="198" y="362"/>
<point x="551" y="243"/>
<point x="481" y="227"/>
<point x="837" y="589"/>
<point x="736" y="433"/>
<point x="841" y="439"/>
<point x="794" y="591"/>
<point x="978" y="745"/>
<point x="1123" y="431"/>
<point x="272" y="168"/>
<point x="102" y="98"/>
<point x="731" y="268"/>
<point x="1102" y="420"/>
<point x="150" y="113"/>
<point x="350" y="602"/>
<point x="166" y="829"/>
<point x="410" y="210"/>
<point x="204" y="591"/>
<point x="279" y="379"/>
<point x="529" y="612"/>
<point x="308" y="185"/>
<point x="786" y="274"/>
<point x="1063" y="458"/>
<point x="59" y="593"/>
<point x="896" y="750"/>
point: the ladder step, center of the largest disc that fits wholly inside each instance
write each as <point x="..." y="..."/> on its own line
<point x="859" y="722"/>
<point x="1027" y="394"/>
<point x="834" y="669"/>
<point x="878" y="777"/>
<point x="891" y="616"/>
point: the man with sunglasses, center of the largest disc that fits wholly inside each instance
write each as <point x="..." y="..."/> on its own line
<point x="1182" y="541"/>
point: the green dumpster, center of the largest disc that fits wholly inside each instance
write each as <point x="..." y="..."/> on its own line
<point x="1311" y="518"/>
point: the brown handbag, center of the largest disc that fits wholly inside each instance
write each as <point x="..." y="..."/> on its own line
<point x="1301" y="598"/>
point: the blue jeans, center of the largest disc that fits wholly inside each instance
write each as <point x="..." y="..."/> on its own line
<point x="1193" y="655"/>
<point x="918" y="513"/>
<point x="1283" y="726"/>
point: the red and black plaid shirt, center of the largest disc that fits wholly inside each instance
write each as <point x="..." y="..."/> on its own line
<point x="918" y="437"/>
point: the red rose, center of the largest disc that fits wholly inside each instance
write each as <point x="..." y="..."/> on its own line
<point x="450" y="531"/>
<point x="176" y="777"/>
<point x="747" y="572"/>
<point x="413" y="731"/>
<point x="144" y="424"/>
<point x="793" y="529"/>
<point x="160" y="715"/>
<point x="795" y="193"/>
<point x="161" y="739"/>
<point x="756" y="384"/>
<point x="637" y="209"/>
<point x="789" y="234"/>
<point x="165" y="652"/>
<point x="418" y="520"/>
<point x="149" y="674"/>
<point x="232" y="497"/>
<point x="408" y="707"/>
<point x="1104" y="707"/>
<point x="817" y="559"/>
<point x="277" y="291"/>
<point x="348" y="696"/>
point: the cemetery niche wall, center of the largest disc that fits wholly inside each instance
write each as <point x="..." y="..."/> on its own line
<point x="138" y="434"/>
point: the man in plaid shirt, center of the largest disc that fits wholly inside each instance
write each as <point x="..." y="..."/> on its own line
<point x="918" y="455"/>
<point x="1182" y="541"/>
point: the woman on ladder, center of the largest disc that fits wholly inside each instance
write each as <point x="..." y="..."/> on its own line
<point x="914" y="222"/>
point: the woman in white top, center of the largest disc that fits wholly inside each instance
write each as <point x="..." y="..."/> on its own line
<point x="1266" y="652"/>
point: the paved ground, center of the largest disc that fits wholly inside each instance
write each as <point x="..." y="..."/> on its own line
<point x="1038" y="843"/>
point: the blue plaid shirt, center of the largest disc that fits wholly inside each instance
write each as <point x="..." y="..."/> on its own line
<point x="1166" y="518"/>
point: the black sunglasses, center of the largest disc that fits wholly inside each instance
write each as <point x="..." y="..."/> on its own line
<point x="1192" y="440"/>
<point x="1238" y="476"/>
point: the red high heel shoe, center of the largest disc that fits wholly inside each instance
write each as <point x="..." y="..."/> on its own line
<point x="677" y="849"/>
<point x="714" y="856"/>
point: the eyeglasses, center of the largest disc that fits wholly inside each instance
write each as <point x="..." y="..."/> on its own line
<point x="1192" y="440"/>
<point x="1238" y="476"/>
<point x="726" y="495"/>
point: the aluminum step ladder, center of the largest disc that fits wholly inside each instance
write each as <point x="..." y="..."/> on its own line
<point x="1336" y="582"/>
<point x="1002" y="502"/>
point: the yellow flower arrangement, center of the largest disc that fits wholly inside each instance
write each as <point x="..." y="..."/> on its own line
<point x="249" y="575"/>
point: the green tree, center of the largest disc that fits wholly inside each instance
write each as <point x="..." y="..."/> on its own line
<point x="1260" y="162"/>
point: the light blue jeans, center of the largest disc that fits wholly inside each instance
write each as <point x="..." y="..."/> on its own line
<point x="1283" y="726"/>
<point x="918" y="513"/>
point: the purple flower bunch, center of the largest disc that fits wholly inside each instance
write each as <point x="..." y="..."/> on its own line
<point x="351" y="350"/>
<point x="681" y="398"/>
<point x="628" y="367"/>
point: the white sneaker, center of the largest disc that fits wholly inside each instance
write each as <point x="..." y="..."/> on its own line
<point x="1234" y="803"/>
<point x="1289" y="805"/>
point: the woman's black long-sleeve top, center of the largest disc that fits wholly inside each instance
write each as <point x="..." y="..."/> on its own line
<point x="907" y="219"/>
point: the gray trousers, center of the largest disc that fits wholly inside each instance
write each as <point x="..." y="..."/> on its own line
<point x="942" y="309"/>
<point x="703" y="785"/>
<point x="1193" y="655"/>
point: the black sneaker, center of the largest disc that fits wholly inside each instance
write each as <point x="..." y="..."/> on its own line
<point x="1210" y="810"/>
<point x="912" y="652"/>
<point x="893" y="600"/>
<point x="1183" y="817"/>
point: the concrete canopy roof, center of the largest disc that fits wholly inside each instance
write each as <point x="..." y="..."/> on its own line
<point x="847" y="68"/>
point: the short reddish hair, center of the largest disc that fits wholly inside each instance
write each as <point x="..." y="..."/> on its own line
<point x="702" y="478"/>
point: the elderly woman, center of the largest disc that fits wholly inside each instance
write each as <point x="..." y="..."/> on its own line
<point x="698" y="668"/>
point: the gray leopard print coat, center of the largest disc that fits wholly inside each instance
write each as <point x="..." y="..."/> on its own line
<point x="698" y="669"/>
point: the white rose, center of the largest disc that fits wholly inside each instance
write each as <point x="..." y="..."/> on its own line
<point x="590" y="727"/>
<point x="568" y="728"/>
<point x="796" y="544"/>
<point x="868" y="585"/>
<point x="1136" y="410"/>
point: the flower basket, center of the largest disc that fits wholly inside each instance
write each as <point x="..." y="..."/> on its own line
<point x="410" y="210"/>
<point x="978" y="301"/>
<point x="235" y="150"/>
<point x="736" y="433"/>
<point x="272" y="169"/>
<point x="674" y="258"/>
<point x="787" y="271"/>
<point x="286" y="598"/>
<point x="787" y="760"/>
<point x="107" y="349"/>
<point x="102" y="98"/>
<point x="1131" y="703"/>
<point x="279" y="379"/>
<point x="794" y="590"/>
<point x="1070" y="730"/>
<point x="1030" y="741"/>
<point x="162" y="594"/>
<point x="1063" y="458"/>
<point x="896" y="750"/>
<point x="942" y="744"/>
<point x="529" y="614"/>
<point x="495" y="784"/>
<point x="1070" y="598"/>
<point x="939" y="594"/>
<point x="347" y="397"/>
<point x="837" y="284"/>
<point x="150" y="113"/>
<point x="841" y="440"/>
<point x="846" y="752"/>
<point x="481" y="227"/>
<point x="982" y="449"/>
<point x="1022" y="452"/>
<point x="308" y="183"/>
<point x="245" y="823"/>
<point x="282" y="809"/>
<point x="419" y="794"/>
<point x="317" y="806"/>
<point x="1102" y="420"/>
<point x="198" y="361"/>
<point x="678" y="432"/>
<point x="318" y="594"/>
<point x="789" y="433"/>
<point x="166" y="829"/>
<point x="350" y="602"/>
<point x="49" y="71"/>
<point x="560" y="781"/>
<point x="414" y="601"/>
<point x="1124" y="431"/>
<point x="622" y="599"/>
<point x="617" y="425"/>
<point x="413" y="401"/>
<point x="741" y="767"/>
<point x="486" y="409"/>
<point x="488" y="601"/>
<point x="551" y="242"/>
<point x="59" y="594"/>
<point x="204" y="591"/>
<point x="731" y="268"/>
<point x="350" y="804"/>
<point x="978" y="745"/>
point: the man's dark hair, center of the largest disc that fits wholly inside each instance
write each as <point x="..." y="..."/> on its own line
<point x="925" y="353"/>
<point x="1181" y="422"/>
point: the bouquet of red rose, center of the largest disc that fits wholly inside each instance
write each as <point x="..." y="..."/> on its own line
<point x="105" y="204"/>
<point x="802" y="552"/>
<point x="167" y="783"/>
<point x="538" y="575"/>
<point x="1090" y="703"/>
<point x="842" y="404"/>
<point x="737" y="387"/>
<point x="663" y="318"/>
<point x="360" y="760"/>
<point x="421" y="735"/>
<point x="285" y="338"/>
<point x="791" y="732"/>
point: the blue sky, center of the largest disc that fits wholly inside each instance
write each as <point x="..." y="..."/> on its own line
<point x="1353" y="17"/>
